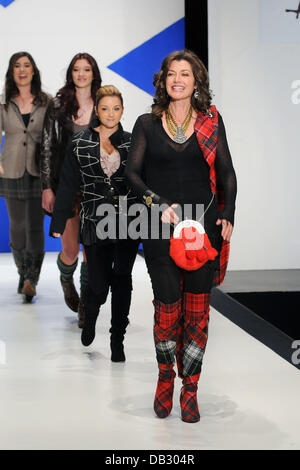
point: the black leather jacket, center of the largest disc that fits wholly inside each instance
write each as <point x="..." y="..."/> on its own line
<point x="82" y="172"/>
<point x="56" y="136"/>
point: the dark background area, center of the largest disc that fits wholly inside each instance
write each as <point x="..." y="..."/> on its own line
<point x="281" y="309"/>
<point x="196" y="28"/>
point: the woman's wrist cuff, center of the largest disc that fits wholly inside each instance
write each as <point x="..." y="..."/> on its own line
<point x="150" y="198"/>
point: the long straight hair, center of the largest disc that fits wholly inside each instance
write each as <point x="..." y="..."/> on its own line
<point x="67" y="94"/>
<point x="11" y="89"/>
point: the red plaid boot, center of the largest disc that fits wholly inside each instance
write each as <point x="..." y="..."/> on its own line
<point x="188" y="399"/>
<point x="163" y="401"/>
<point x="165" y="334"/>
<point x="196" y="318"/>
<point x="180" y="331"/>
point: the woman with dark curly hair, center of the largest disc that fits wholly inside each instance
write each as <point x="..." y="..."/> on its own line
<point x="71" y="111"/>
<point x="179" y="160"/>
<point x="21" y="119"/>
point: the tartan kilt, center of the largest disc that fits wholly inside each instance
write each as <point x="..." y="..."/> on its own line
<point x="223" y="259"/>
<point x="206" y="129"/>
<point x="26" y="187"/>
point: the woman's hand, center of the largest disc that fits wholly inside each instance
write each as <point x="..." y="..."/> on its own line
<point x="169" y="216"/>
<point x="48" y="200"/>
<point x="56" y="235"/>
<point x="1" y="170"/>
<point x="227" y="229"/>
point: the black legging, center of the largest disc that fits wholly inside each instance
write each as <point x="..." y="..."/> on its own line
<point x="166" y="275"/>
<point x="26" y="228"/>
<point x="111" y="266"/>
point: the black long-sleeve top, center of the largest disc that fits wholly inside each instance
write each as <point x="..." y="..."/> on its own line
<point x="178" y="173"/>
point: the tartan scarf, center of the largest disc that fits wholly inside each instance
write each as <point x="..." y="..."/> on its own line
<point x="206" y="130"/>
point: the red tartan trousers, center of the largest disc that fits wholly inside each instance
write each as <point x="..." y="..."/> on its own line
<point x="181" y="330"/>
<point x="181" y="302"/>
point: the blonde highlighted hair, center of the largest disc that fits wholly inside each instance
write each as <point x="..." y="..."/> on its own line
<point x="108" y="90"/>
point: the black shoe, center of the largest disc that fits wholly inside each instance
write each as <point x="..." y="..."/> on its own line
<point x="70" y="293"/>
<point x="117" y="350"/>
<point x="81" y="313"/>
<point x="81" y="308"/>
<point x="89" y="330"/>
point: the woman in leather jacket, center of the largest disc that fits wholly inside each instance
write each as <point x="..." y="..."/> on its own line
<point x="69" y="112"/>
<point x="95" y="165"/>
<point x="21" y="119"/>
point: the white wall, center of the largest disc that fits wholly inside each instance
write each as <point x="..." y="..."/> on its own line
<point x="53" y="31"/>
<point x="254" y="51"/>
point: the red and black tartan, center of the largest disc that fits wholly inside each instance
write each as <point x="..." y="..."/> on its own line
<point x="192" y="333"/>
<point x="163" y="401"/>
<point x="166" y="320"/>
<point x="206" y="130"/>
<point x="181" y="329"/>
<point x="188" y="399"/>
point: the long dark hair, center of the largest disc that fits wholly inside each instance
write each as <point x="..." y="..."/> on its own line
<point x="67" y="94"/>
<point x="11" y="89"/>
<point x="162" y="99"/>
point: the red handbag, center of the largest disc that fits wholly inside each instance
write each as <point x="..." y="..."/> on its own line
<point x="190" y="247"/>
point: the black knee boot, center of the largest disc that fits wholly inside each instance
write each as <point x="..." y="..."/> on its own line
<point x="92" y="306"/>
<point x="120" y="304"/>
<point x="84" y="280"/>
<point x="19" y="258"/>
<point x="33" y="263"/>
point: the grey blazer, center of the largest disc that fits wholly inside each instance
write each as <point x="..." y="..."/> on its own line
<point x="20" y="142"/>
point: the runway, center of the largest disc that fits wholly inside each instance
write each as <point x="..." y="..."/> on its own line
<point x="56" y="394"/>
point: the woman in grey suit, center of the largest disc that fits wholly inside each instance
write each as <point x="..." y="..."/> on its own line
<point x="21" y="120"/>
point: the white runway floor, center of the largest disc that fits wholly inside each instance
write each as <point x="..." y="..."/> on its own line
<point x="56" y="394"/>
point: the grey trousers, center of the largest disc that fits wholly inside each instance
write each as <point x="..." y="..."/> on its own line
<point x="26" y="224"/>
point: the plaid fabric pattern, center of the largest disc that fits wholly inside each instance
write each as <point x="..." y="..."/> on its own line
<point x="181" y="329"/>
<point x="206" y="130"/>
<point x="192" y="358"/>
<point x="196" y="309"/>
<point x="179" y="345"/>
<point x="166" y="349"/>
<point x="165" y="330"/>
<point x="196" y="318"/>
<point x="224" y="258"/>
<point x="188" y="400"/>
<point x="163" y="401"/>
<point x="26" y="187"/>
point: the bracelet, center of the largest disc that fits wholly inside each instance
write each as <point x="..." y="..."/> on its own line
<point x="150" y="198"/>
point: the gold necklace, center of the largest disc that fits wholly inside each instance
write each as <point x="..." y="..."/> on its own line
<point x="178" y="131"/>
